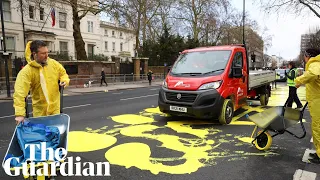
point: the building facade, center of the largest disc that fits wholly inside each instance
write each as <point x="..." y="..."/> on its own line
<point x="305" y="39"/>
<point x="100" y="37"/>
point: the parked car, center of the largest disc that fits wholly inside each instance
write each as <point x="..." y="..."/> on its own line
<point x="281" y="74"/>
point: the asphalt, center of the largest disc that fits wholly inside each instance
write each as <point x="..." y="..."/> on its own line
<point x="126" y="129"/>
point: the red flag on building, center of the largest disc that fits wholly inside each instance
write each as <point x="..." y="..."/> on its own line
<point x="53" y="17"/>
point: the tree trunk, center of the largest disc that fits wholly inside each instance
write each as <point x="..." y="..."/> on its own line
<point x="138" y="27"/>
<point x="78" y="40"/>
<point x="144" y="29"/>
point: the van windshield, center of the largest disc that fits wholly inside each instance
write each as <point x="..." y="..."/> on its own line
<point x="205" y="62"/>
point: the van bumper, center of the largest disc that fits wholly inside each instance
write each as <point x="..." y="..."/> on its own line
<point x="200" y="104"/>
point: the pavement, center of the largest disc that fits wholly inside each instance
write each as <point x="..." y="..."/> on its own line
<point x="69" y="91"/>
<point x="125" y="128"/>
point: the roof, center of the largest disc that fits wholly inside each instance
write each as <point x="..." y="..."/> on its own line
<point x="212" y="48"/>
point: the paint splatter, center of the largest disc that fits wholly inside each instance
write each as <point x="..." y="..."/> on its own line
<point x="199" y="144"/>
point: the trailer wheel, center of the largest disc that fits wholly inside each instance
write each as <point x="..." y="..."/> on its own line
<point x="264" y="99"/>
<point x="226" y="114"/>
<point x="263" y="141"/>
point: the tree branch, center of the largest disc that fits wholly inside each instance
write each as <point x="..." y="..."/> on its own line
<point x="308" y="5"/>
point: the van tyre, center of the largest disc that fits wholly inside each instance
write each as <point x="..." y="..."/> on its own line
<point x="264" y="99"/>
<point x="226" y="114"/>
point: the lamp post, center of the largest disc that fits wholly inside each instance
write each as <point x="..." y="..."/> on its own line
<point x="243" y="20"/>
<point x="5" y="54"/>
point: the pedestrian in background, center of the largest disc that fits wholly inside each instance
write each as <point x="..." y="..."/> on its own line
<point x="103" y="77"/>
<point x="311" y="78"/>
<point x="293" y="73"/>
<point x="150" y="76"/>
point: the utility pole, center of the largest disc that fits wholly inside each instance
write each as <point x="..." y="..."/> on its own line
<point x="243" y="21"/>
<point x="5" y="54"/>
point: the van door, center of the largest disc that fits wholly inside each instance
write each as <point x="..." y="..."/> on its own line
<point x="239" y="82"/>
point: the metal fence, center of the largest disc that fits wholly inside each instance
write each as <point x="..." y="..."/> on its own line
<point x="112" y="79"/>
<point x="78" y="81"/>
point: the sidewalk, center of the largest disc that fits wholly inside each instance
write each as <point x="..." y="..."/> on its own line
<point x="111" y="87"/>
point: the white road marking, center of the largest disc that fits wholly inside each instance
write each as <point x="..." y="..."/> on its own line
<point x="139" y="97"/>
<point x="306" y="155"/>
<point x="6" y="116"/>
<point x="77" y="106"/>
<point x="154" y="89"/>
<point x="118" y="93"/>
<point x="304" y="175"/>
<point x="83" y="105"/>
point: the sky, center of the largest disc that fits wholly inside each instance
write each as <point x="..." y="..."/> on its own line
<point x="285" y="29"/>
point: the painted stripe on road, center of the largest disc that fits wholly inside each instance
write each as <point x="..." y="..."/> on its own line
<point x="83" y="105"/>
<point x="139" y="97"/>
<point x="306" y="155"/>
<point x="118" y="93"/>
<point x="304" y="175"/>
<point x="6" y="116"/>
<point x="77" y="106"/>
<point x="154" y="89"/>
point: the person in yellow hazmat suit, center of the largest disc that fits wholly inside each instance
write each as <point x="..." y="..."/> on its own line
<point x="40" y="76"/>
<point x="311" y="78"/>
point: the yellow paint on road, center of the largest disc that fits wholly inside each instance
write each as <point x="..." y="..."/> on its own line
<point x="187" y="146"/>
<point x="80" y="141"/>
<point x="132" y="119"/>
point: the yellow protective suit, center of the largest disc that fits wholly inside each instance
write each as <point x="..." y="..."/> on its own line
<point x="311" y="78"/>
<point x="43" y="85"/>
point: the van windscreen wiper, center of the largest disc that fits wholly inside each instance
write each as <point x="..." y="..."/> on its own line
<point x="213" y="71"/>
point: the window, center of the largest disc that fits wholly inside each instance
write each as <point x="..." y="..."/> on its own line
<point x="31" y="12"/>
<point x="6" y="10"/>
<point x="41" y="13"/>
<point x="237" y="64"/>
<point x="237" y="60"/>
<point x="90" y="26"/>
<point x="121" y="46"/>
<point x="113" y="33"/>
<point x="10" y="44"/>
<point x="106" y="32"/>
<point x="62" y="20"/>
<point x="106" y="45"/>
<point x="90" y="51"/>
<point x="207" y="62"/>
<point x="121" y="34"/>
<point x="63" y="47"/>
<point x="113" y="46"/>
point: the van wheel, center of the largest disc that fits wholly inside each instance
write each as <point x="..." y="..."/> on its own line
<point x="264" y="99"/>
<point x="226" y="114"/>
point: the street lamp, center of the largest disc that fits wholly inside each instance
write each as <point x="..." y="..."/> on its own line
<point x="5" y="54"/>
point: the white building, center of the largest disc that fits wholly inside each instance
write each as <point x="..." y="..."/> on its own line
<point x="109" y="39"/>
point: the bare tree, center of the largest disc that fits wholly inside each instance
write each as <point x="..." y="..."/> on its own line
<point x="293" y="6"/>
<point x="195" y="14"/>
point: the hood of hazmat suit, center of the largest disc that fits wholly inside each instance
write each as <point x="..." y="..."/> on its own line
<point x="311" y="78"/>
<point x="42" y="82"/>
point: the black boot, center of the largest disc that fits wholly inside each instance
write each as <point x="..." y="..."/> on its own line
<point x="315" y="160"/>
<point x="313" y="155"/>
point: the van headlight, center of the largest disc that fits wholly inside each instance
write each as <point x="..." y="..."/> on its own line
<point x="164" y="84"/>
<point x="212" y="85"/>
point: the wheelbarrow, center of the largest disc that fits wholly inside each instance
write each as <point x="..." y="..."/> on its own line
<point x="61" y="121"/>
<point x="276" y="120"/>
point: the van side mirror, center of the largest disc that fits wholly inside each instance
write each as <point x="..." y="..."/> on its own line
<point x="236" y="72"/>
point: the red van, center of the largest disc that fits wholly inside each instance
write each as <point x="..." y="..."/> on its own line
<point x="213" y="82"/>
